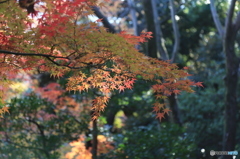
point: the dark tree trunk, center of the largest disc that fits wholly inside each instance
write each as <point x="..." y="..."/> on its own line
<point x="94" y="140"/>
<point x="173" y="103"/>
<point x="231" y="80"/>
<point x="152" y="46"/>
<point x="111" y="113"/>
<point x="228" y="34"/>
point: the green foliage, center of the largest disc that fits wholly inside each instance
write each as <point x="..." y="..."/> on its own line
<point x="203" y="111"/>
<point x="167" y="141"/>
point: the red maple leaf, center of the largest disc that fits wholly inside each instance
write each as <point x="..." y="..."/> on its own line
<point x="199" y="84"/>
<point x="156" y="109"/>
<point x="121" y="88"/>
<point x="160" y="116"/>
<point x="128" y="84"/>
<point x="166" y="110"/>
<point x="176" y="91"/>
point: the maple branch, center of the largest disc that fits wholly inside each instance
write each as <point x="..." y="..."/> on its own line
<point x="49" y="59"/>
<point x="4" y="1"/>
<point x="88" y="65"/>
<point x="30" y="54"/>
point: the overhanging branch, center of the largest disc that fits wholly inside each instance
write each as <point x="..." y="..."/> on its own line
<point x="48" y="57"/>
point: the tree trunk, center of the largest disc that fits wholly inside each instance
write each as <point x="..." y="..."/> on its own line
<point x="156" y="47"/>
<point x="173" y="103"/>
<point x="228" y="34"/>
<point x="231" y="80"/>
<point x="151" y="47"/>
<point x="94" y="140"/>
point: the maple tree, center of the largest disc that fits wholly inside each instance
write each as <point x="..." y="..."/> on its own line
<point x="61" y="40"/>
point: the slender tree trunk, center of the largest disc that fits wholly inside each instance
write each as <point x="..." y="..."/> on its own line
<point x="94" y="140"/>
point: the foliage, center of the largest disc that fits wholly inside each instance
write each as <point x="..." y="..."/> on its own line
<point x="170" y="142"/>
<point x="79" y="150"/>
<point x="63" y="54"/>
<point x="36" y="128"/>
<point x="98" y="60"/>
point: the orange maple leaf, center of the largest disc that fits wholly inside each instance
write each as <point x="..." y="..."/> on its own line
<point x="94" y="117"/>
<point x="5" y="109"/>
<point x="159" y="105"/>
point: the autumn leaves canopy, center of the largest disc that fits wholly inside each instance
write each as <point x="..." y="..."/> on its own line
<point x="61" y="39"/>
